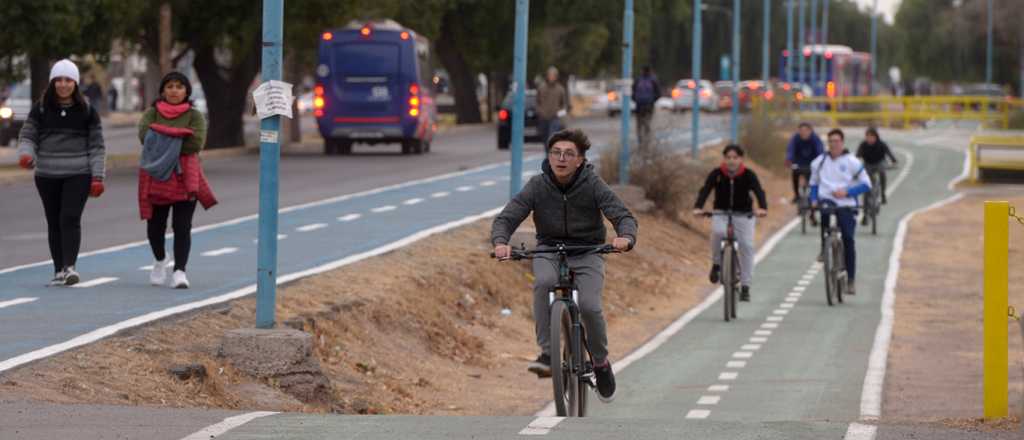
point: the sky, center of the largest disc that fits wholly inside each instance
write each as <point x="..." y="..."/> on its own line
<point x="886" y="7"/>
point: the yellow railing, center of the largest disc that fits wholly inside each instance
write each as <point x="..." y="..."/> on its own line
<point x="1003" y="153"/>
<point x="908" y="110"/>
<point x="996" y="310"/>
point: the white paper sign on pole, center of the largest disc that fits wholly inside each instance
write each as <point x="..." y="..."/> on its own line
<point x="273" y="98"/>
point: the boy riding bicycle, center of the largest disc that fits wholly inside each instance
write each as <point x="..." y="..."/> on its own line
<point x="873" y="151"/>
<point x="733" y="182"/>
<point x="569" y="202"/>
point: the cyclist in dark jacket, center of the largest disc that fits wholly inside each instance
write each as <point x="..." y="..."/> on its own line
<point x="569" y="202"/>
<point x="803" y="148"/>
<point x="873" y="152"/>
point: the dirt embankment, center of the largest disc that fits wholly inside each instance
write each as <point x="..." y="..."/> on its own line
<point x="416" y="331"/>
<point x="935" y="361"/>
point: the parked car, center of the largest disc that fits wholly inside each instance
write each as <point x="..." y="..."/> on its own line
<point x="682" y="95"/>
<point x="14" y="110"/>
<point x="615" y="104"/>
<point x="530" y="131"/>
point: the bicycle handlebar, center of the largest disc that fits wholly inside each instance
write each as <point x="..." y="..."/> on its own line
<point x="525" y="254"/>
<point x="726" y="213"/>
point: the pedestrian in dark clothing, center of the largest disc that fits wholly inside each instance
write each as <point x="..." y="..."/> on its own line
<point x="646" y="92"/>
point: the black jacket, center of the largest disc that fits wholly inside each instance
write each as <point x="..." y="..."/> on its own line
<point x="875" y="154"/>
<point x="732" y="193"/>
<point x="573" y="215"/>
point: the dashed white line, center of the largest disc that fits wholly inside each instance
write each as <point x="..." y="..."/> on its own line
<point x="464" y="188"/>
<point x="758" y="339"/>
<point x="803" y="283"/>
<point x="774" y="319"/>
<point x="440" y="194"/>
<point x="780" y="311"/>
<point x="96" y="282"/>
<point x="381" y="209"/>
<point x="411" y="202"/>
<point x="718" y="388"/>
<point x="541" y="425"/>
<point x="150" y="267"/>
<point x="751" y="347"/>
<point x="698" y="414"/>
<point x="488" y="183"/>
<point x="226" y="425"/>
<point x="349" y="217"/>
<point x="743" y="355"/>
<point x="312" y="227"/>
<point x="792" y="299"/>
<point x="16" y="301"/>
<point x="219" y="252"/>
<point x="787" y="305"/>
<point x="709" y="400"/>
<point x="763" y="332"/>
<point x="800" y="289"/>
<point x="736" y="364"/>
<point x="770" y="325"/>
<point x="808" y="276"/>
<point x="255" y="240"/>
<point x="728" y="375"/>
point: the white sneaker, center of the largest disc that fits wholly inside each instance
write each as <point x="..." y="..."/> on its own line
<point x="58" y="279"/>
<point x="158" y="276"/>
<point x="180" y="281"/>
<point x="70" y="276"/>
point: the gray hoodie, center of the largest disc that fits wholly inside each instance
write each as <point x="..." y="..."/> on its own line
<point x="571" y="215"/>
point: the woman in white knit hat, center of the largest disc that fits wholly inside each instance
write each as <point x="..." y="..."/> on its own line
<point x="62" y="140"/>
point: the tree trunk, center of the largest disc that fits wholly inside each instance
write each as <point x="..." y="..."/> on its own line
<point x="463" y="82"/>
<point x="166" y="39"/>
<point x="39" y="66"/>
<point x="226" y="99"/>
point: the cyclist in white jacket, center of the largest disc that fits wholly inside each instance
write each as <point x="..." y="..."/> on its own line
<point x="837" y="177"/>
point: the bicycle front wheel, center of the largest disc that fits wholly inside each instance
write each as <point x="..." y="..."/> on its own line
<point x="840" y="259"/>
<point x="728" y="282"/>
<point x="566" y="390"/>
<point x="830" y="272"/>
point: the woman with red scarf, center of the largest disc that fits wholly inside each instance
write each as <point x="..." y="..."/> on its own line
<point x="171" y="179"/>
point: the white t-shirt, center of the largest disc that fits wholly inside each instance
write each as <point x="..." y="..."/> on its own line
<point x="843" y="172"/>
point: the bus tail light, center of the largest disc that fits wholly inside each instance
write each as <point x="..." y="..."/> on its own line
<point x="503" y="115"/>
<point x="414" y="100"/>
<point x="318" y="101"/>
<point x="830" y="89"/>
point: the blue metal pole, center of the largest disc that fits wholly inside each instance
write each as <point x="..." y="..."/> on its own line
<point x="813" y="38"/>
<point x="735" y="123"/>
<point x="766" y="44"/>
<point x="791" y="58"/>
<point x="270" y="155"/>
<point x="697" y="43"/>
<point x="519" y="88"/>
<point x="823" y="74"/>
<point x="874" y="43"/>
<point x="988" y="47"/>
<point x="627" y="90"/>
<point x="800" y="41"/>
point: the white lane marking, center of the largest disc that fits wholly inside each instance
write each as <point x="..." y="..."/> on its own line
<point x="311" y="227"/>
<point x="381" y="209"/>
<point x="255" y="240"/>
<point x="780" y="311"/>
<point x="100" y="333"/>
<point x="150" y="267"/>
<point x="758" y="339"/>
<point x="94" y="283"/>
<point x="800" y="289"/>
<point x="411" y="202"/>
<point x="860" y="431"/>
<point x="903" y="173"/>
<point x="284" y="210"/>
<point x="808" y="277"/>
<point x="349" y="217"/>
<point x="803" y="283"/>
<point x="750" y="347"/>
<point x="541" y="425"/>
<point x="718" y="388"/>
<point x="226" y="425"/>
<point x="736" y="364"/>
<point x="743" y="355"/>
<point x="817" y="265"/>
<point x="728" y="375"/>
<point x="440" y="194"/>
<point x="677" y="325"/>
<point x="774" y="319"/>
<point x="763" y="332"/>
<point x="488" y="183"/>
<point x="792" y="299"/>
<point x="770" y="325"/>
<point x="464" y="188"/>
<point x="709" y="400"/>
<point x="219" y="252"/>
<point x="787" y="305"/>
<point x="874" y="379"/>
<point x="698" y="414"/>
<point x="16" y="301"/>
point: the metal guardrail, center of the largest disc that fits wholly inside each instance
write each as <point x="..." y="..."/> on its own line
<point x="995" y="153"/>
<point x="907" y="110"/>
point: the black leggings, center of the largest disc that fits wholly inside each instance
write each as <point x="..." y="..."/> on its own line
<point x="63" y="202"/>
<point x="181" y="222"/>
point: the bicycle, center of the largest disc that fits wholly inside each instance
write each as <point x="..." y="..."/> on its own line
<point x="803" y="201"/>
<point x="872" y="203"/>
<point x="833" y="254"/>
<point x="572" y="364"/>
<point x="730" y="271"/>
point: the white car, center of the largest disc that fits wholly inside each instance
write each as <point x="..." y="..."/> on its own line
<point x="14" y="110"/>
<point x="682" y="95"/>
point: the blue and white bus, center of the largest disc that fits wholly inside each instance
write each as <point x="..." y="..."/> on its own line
<point x="374" y="87"/>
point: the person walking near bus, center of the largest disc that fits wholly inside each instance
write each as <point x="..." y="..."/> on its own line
<point x="552" y="104"/>
<point x="171" y="177"/>
<point x="62" y="140"/>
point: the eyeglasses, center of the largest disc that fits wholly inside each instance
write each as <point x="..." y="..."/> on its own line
<point x="562" y="154"/>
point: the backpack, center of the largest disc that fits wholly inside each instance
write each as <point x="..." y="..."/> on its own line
<point x="644" y="94"/>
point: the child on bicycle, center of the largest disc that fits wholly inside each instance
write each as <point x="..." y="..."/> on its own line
<point x="733" y="183"/>
<point x="837" y="178"/>
<point x="873" y="151"/>
<point x="569" y="202"/>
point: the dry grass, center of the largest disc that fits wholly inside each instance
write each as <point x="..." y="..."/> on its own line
<point x="765" y="135"/>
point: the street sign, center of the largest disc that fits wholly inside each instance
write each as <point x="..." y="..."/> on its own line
<point x="273" y="98"/>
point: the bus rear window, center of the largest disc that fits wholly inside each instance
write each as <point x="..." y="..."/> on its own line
<point x="366" y="59"/>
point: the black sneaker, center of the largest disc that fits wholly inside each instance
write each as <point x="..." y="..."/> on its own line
<point x="605" y="382"/>
<point x="716" y="270"/>
<point x="541" y="367"/>
<point x="745" y="293"/>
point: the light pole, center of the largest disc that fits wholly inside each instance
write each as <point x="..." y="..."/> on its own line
<point x="734" y="124"/>
<point x="789" y="41"/>
<point x="626" y="94"/>
<point x="519" y="96"/>
<point x="765" y="44"/>
<point x="874" y="48"/>
<point x="988" y="47"/>
<point x="824" y="41"/>
<point x="813" y="40"/>
<point x="697" y="33"/>
<point x="800" y="44"/>
<point x="270" y="157"/>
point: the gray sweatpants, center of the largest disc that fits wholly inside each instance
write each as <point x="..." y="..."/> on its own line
<point x="743" y="227"/>
<point x="590" y="282"/>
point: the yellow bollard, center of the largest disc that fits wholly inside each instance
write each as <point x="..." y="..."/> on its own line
<point x="996" y="285"/>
